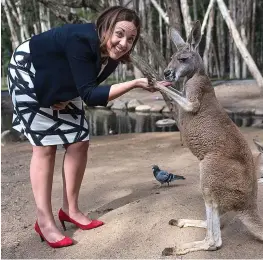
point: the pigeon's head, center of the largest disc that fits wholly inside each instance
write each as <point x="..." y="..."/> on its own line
<point x="155" y="168"/>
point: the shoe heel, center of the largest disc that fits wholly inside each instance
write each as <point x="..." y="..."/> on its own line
<point x="42" y="239"/>
<point x="63" y="225"/>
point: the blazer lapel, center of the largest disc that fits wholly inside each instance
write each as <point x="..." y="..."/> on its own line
<point x="109" y="68"/>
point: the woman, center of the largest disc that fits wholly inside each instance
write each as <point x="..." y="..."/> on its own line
<point x="49" y="76"/>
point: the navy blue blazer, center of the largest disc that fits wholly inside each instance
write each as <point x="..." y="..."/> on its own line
<point x="67" y="60"/>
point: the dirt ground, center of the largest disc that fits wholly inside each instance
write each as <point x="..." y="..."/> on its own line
<point x="120" y="189"/>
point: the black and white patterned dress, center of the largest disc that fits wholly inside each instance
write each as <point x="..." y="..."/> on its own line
<point x="42" y="126"/>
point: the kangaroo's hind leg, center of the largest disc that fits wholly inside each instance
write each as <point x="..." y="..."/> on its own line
<point x="212" y="240"/>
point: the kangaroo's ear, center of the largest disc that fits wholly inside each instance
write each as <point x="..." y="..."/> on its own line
<point x="195" y="36"/>
<point x="177" y="39"/>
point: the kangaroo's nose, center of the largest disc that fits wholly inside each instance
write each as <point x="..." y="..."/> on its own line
<point x="167" y="72"/>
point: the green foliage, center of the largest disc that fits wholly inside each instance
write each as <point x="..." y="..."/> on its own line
<point x="89" y="15"/>
<point x="3" y="83"/>
<point x="6" y="45"/>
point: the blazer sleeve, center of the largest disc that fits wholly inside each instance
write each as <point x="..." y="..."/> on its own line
<point x="82" y="61"/>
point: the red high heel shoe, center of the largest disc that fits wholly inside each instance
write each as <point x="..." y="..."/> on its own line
<point x="63" y="217"/>
<point x="66" y="241"/>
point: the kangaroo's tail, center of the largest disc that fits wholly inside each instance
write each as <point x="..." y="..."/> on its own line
<point x="252" y="220"/>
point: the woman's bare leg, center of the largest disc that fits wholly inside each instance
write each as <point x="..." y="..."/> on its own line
<point x="41" y="175"/>
<point x="75" y="161"/>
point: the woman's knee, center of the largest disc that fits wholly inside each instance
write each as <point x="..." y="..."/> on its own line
<point x="79" y="147"/>
<point x="45" y="151"/>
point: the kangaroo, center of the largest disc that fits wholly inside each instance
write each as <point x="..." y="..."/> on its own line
<point x="227" y="170"/>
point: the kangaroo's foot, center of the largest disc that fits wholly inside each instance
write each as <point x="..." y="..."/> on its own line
<point x="212" y="240"/>
<point x="188" y="223"/>
<point x="206" y="244"/>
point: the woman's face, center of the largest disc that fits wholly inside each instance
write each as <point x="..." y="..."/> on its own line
<point x="122" y="39"/>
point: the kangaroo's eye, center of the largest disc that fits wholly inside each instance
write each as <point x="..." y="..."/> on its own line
<point x="182" y="59"/>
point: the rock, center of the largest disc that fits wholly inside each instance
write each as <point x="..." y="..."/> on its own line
<point x="156" y="108"/>
<point x="9" y="136"/>
<point x="258" y="125"/>
<point x="110" y="104"/>
<point x="22" y="137"/>
<point x="259" y="112"/>
<point x="166" y="110"/>
<point x="6" y="104"/>
<point x="101" y="107"/>
<point x="132" y="104"/>
<point x="165" y="122"/>
<point x="143" y="108"/>
<point x="119" y="105"/>
<point x="245" y="112"/>
<point x="229" y="112"/>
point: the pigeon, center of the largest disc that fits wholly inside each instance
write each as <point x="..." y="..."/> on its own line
<point x="164" y="176"/>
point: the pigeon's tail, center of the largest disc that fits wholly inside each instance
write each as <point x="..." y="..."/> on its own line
<point x="173" y="177"/>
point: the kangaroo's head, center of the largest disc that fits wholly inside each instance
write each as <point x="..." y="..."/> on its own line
<point x="186" y="61"/>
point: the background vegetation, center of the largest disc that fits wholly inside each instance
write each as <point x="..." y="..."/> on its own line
<point x="23" y="18"/>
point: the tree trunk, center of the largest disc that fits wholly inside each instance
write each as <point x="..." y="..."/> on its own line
<point x="148" y="41"/>
<point x="253" y="27"/>
<point x="208" y="42"/>
<point x="236" y="53"/>
<point x="195" y="10"/>
<point x="209" y="8"/>
<point x="174" y="14"/>
<point x="62" y="12"/>
<point x="160" y="11"/>
<point x="161" y="31"/>
<point x="220" y="32"/>
<point x="124" y="71"/>
<point x="44" y="17"/>
<point x="13" y="10"/>
<point x="14" y="37"/>
<point x="240" y="45"/>
<point x="217" y="67"/>
<point x="149" y="29"/>
<point x="22" y="22"/>
<point x="186" y="16"/>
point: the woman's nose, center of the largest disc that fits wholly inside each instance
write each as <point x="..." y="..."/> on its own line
<point x="123" y="42"/>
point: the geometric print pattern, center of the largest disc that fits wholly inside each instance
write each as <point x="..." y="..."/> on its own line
<point x="42" y="126"/>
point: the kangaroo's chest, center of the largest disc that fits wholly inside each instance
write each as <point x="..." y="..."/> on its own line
<point x="202" y="131"/>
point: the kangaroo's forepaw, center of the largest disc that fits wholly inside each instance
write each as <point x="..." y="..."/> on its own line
<point x="168" y="251"/>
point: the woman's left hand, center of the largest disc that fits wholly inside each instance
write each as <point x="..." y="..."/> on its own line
<point x="60" y="106"/>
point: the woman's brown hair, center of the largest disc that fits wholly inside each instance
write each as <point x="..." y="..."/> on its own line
<point x="106" y="23"/>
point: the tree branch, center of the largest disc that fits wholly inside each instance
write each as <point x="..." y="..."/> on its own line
<point x="160" y="11"/>
<point x="209" y="8"/>
<point x="158" y="57"/>
<point x="62" y="12"/>
<point x="240" y="45"/>
<point x="93" y="5"/>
